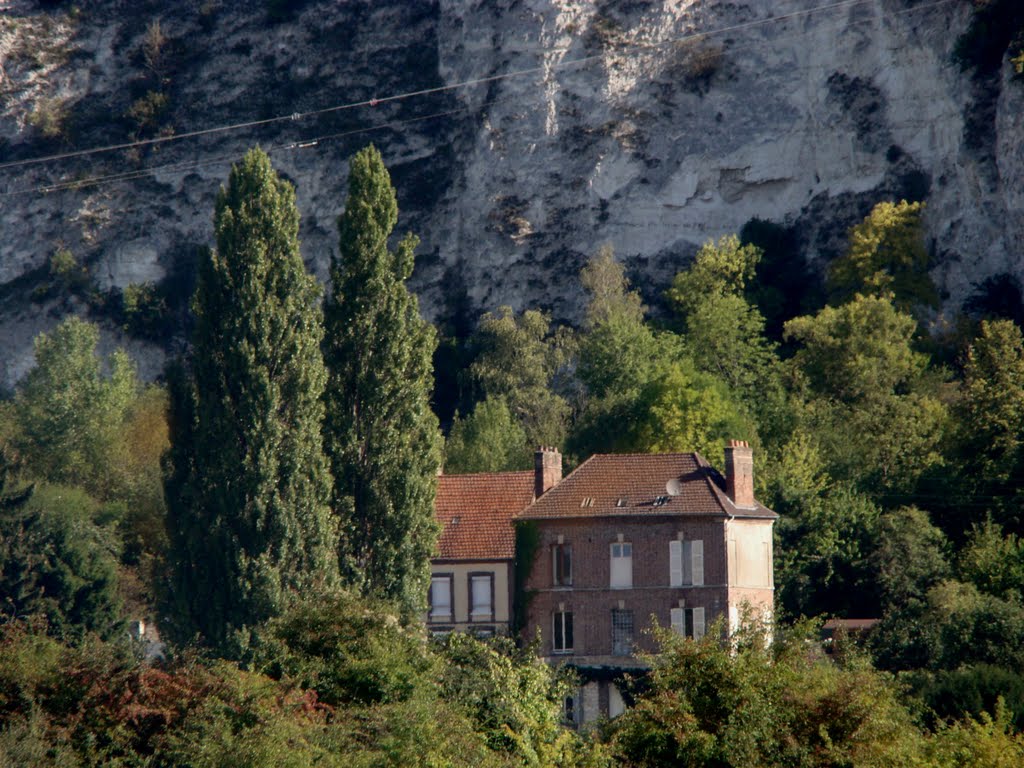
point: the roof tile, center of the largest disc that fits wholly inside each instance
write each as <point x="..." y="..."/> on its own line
<point x="639" y="485"/>
<point x="476" y="512"/>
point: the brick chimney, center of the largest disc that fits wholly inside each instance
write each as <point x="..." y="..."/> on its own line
<point x="739" y="473"/>
<point x="547" y="470"/>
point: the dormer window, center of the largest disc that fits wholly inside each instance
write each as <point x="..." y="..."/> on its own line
<point x="588" y="501"/>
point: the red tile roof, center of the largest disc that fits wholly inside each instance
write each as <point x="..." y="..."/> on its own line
<point x="632" y="485"/>
<point x="476" y="513"/>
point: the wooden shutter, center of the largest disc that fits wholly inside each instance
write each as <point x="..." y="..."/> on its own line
<point x="677" y="621"/>
<point x="698" y="623"/>
<point x="675" y="563"/>
<point x="697" y="565"/>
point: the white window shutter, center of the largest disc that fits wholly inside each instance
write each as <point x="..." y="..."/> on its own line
<point x="698" y="623"/>
<point x="675" y="563"/>
<point x="678" y="626"/>
<point x="697" y="567"/>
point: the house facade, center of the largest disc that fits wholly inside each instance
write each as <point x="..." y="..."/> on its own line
<point x="627" y="540"/>
<point x="472" y="575"/>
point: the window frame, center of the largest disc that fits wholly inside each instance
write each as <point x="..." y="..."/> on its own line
<point x="558" y="621"/>
<point x="432" y="616"/>
<point x="623" y="646"/>
<point x="487" y="618"/>
<point x="561" y="555"/>
<point x="621" y="546"/>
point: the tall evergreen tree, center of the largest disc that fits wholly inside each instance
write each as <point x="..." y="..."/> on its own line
<point x="248" y="484"/>
<point x="381" y="435"/>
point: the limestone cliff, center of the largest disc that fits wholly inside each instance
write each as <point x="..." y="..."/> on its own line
<point x="548" y="128"/>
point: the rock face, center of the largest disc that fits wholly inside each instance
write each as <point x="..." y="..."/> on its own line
<point x="535" y="131"/>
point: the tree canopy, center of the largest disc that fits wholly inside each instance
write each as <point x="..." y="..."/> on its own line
<point x="381" y="435"/>
<point x="248" y="483"/>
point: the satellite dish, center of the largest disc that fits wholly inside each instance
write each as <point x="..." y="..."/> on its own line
<point x="673" y="487"/>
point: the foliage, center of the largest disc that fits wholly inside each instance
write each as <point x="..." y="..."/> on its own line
<point x="992" y="562"/>
<point x="514" y="700"/>
<point x="488" y="440"/>
<point x="348" y="649"/>
<point x="519" y="360"/>
<point x="380" y="434"/>
<point x="886" y="256"/>
<point x="57" y="560"/>
<point x="724" y="332"/>
<point x="856" y="373"/>
<point x="749" y="703"/>
<point x="247" y="482"/>
<point x="990" y="415"/>
<point x="988" y="742"/>
<point x="969" y="690"/>
<point x="823" y="535"/>
<point x="909" y="557"/>
<point x="70" y="416"/>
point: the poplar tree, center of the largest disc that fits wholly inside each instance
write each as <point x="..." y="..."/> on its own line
<point x="381" y="435"/>
<point x="248" y="484"/>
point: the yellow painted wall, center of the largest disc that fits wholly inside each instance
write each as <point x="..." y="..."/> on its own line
<point x="460" y="590"/>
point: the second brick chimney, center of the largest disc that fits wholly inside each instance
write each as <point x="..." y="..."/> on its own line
<point x="739" y="473"/>
<point x="547" y="470"/>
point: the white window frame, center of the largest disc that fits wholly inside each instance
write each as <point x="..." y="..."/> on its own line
<point x="487" y="579"/>
<point x="621" y="565"/>
<point x="448" y="580"/>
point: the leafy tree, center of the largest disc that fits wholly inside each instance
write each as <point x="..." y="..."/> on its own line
<point x="684" y="410"/>
<point x="724" y="332"/>
<point x="519" y="360"/>
<point x="866" y="394"/>
<point x="746" y="703"/>
<point x="990" y="415"/>
<point x="617" y="351"/>
<point x="248" y="483"/>
<point x="909" y="557"/>
<point x="488" y="440"/>
<point x="992" y="562"/>
<point x="823" y="535"/>
<point x="515" y="700"/>
<point x="381" y="436"/>
<point x="70" y="416"/>
<point x="886" y="255"/>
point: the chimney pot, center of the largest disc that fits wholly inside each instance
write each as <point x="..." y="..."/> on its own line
<point x="547" y="470"/>
<point x="739" y="473"/>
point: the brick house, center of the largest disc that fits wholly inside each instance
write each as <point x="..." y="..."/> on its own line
<point x="471" y="576"/>
<point x="625" y="538"/>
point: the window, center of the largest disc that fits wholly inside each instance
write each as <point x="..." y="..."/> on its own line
<point x="441" y="597"/>
<point x="622" y="565"/>
<point x="562" y="632"/>
<point x="688" y="622"/>
<point x="622" y="632"/>
<point x="562" y="564"/>
<point x="686" y="563"/>
<point x="481" y="597"/>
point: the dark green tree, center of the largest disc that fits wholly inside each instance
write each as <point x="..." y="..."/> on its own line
<point x="248" y="484"/>
<point x="381" y="435"/>
<point x="55" y="560"/>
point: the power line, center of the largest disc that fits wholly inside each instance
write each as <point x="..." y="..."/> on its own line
<point x="187" y="166"/>
<point x="373" y="102"/>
